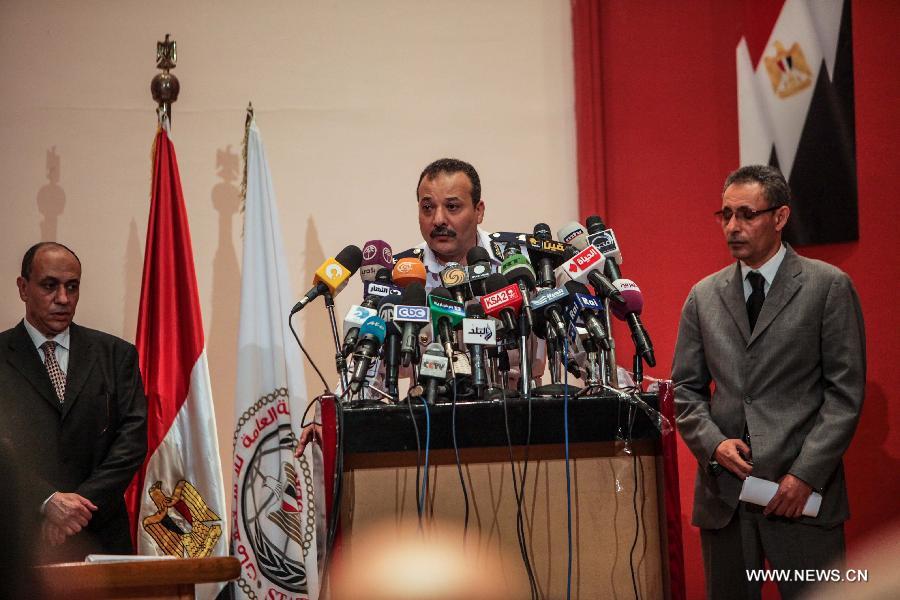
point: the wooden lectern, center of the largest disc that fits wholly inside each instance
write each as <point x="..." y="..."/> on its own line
<point x="140" y="580"/>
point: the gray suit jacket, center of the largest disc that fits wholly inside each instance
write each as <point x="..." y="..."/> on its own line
<point x="797" y="382"/>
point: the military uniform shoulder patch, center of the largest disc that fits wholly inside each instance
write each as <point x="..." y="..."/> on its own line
<point x="411" y="253"/>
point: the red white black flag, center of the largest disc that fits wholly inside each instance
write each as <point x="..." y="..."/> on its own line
<point x="795" y="110"/>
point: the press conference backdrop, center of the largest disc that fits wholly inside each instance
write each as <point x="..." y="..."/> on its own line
<point x="353" y="99"/>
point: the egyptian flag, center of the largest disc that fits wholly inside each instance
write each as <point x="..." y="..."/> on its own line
<point x="795" y="110"/>
<point x="177" y="500"/>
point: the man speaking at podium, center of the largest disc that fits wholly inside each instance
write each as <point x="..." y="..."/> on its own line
<point x="781" y="339"/>
<point x="72" y="413"/>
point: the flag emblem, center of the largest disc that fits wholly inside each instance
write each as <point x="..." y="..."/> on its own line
<point x="183" y="525"/>
<point x="277" y="521"/>
<point x="788" y="70"/>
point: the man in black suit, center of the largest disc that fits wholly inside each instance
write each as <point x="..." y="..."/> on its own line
<point x="73" y="412"/>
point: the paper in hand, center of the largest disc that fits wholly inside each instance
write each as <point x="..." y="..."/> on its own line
<point x="760" y="491"/>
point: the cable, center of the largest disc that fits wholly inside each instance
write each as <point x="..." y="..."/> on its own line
<point x="424" y="494"/>
<point x="568" y="476"/>
<point x="412" y="416"/>
<point x="462" y="480"/>
<point x="637" y="525"/>
<point x="305" y="353"/>
<point x="520" y="531"/>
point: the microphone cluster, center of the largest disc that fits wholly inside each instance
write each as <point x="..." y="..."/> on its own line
<point x="561" y="290"/>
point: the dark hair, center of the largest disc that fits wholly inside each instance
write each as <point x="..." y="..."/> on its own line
<point x="775" y="188"/>
<point x="28" y="259"/>
<point x="450" y="166"/>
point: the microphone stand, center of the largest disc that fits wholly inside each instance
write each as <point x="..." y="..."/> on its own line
<point x="524" y="358"/>
<point x="608" y="359"/>
<point x="339" y="360"/>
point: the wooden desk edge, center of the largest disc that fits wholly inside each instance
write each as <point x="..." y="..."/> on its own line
<point x="139" y="573"/>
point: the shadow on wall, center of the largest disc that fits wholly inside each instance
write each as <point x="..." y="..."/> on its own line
<point x="132" y="273"/>
<point x="51" y="198"/>
<point x="226" y="287"/>
<point x="316" y="333"/>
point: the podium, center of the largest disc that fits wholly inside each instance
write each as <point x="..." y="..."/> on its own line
<point x="139" y="580"/>
<point x="619" y="526"/>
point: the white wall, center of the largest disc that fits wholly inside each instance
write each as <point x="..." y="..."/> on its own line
<point x="353" y="99"/>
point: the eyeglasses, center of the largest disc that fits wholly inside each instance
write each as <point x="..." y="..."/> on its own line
<point x="742" y="213"/>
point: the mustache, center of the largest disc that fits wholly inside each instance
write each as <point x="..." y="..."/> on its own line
<point x="442" y="231"/>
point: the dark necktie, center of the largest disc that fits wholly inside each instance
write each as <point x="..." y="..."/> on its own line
<point x="56" y="375"/>
<point x="757" y="297"/>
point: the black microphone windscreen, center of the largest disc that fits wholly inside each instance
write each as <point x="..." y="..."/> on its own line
<point x="442" y="292"/>
<point x="475" y="311"/>
<point x="522" y="273"/>
<point x="494" y="282"/>
<point x="570" y="252"/>
<point x="389" y="299"/>
<point x="576" y="287"/>
<point x="350" y="258"/>
<point x="383" y="275"/>
<point x="413" y="294"/>
<point x="594" y="224"/>
<point x="477" y="254"/>
<point x="542" y="232"/>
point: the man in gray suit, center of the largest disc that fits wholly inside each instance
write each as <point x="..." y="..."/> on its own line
<point x="769" y="373"/>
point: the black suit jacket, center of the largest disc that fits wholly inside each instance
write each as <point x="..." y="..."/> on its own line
<point x="92" y="444"/>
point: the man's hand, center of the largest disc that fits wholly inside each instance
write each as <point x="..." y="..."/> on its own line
<point x="69" y="511"/>
<point x="310" y="433"/>
<point x="51" y="534"/>
<point x="790" y="498"/>
<point x="731" y="454"/>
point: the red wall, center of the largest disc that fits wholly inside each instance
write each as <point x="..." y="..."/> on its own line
<point x="670" y="137"/>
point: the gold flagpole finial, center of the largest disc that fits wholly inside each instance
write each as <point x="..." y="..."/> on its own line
<point x="165" y="86"/>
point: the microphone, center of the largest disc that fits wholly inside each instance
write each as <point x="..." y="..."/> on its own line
<point x="586" y="266"/>
<point x="376" y="254"/>
<point x="545" y="253"/>
<point x="446" y="314"/>
<point x="502" y="300"/>
<point x="413" y="313"/>
<point x="433" y="368"/>
<point x="574" y="234"/>
<point x="352" y="322"/>
<point x="371" y="336"/>
<point x="332" y="275"/>
<point x="408" y="270"/>
<point x="586" y="307"/>
<point x="478" y="332"/>
<point x="605" y="240"/>
<point x="386" y="307"/>
<point x="455" y="278"/>
<point x="630" y="313"/>
<point x="550" y="303"/>
<point x="479" y="262"/>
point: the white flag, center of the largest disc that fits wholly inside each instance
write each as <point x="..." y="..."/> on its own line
<point x="274" y="512"/>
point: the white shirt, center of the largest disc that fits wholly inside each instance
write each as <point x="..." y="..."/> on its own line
<point x="767" y="270"/>
<point x="62" y="345"/>
<point x="434" y="267"/>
